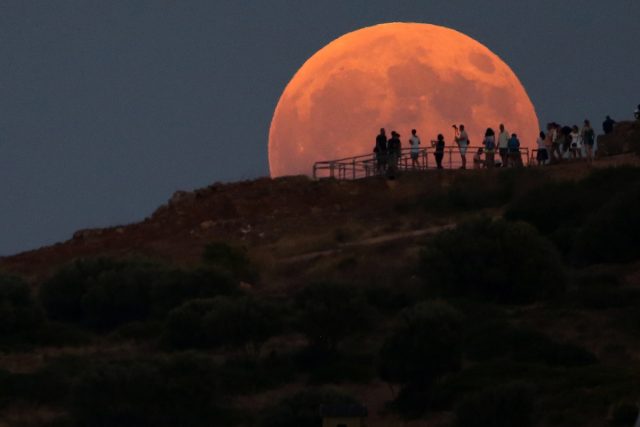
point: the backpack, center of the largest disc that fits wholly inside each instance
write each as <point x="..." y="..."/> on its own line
<point x="490" y="144"/>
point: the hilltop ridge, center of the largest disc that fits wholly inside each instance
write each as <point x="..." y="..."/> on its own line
<point x="259" y="212"/>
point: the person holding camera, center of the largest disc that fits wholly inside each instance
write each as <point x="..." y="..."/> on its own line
<point x="462" y="139"/>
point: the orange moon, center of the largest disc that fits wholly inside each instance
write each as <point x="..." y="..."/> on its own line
<point x="398" y="76"/>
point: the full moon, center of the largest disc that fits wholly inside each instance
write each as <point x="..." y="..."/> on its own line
<point x="398" y="76"/>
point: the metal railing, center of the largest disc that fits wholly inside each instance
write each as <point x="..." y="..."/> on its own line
<point x="365" y="166"/>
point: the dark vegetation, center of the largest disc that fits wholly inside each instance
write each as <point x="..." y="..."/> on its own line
<point x="469" y="326"/>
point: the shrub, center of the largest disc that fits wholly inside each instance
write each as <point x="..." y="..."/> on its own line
<point x="493" y="260"/>
<point x="20" y="316"/>
<point x="503" y="406"/>
<point x="104" y="294"/>
<point x="233" y="260"/>
<point x="237" y="322"/>
<point x="181" y="390"/>
<point x="302" y="409"/>
<point x="425" y="343"/>
<point x="498" y="340"/>
<point x="624" y="414"/>
<point x="612" y="233"/>
<point x="329" y="312"/>
<point x="553" y="205"/>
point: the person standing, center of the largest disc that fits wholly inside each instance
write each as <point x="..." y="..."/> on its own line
<point x="607" y="125"/>
<point x="575" y="142"/>
<point x="543" y="154"/>
<point x="503" y="141"/>
<point x="394" y="147"/>
<point x="489" y="147"/>
<point x="439" y="153"/>
<point x="462" y="139"/>
<point x="556" y="155"/>
<point x="514" y="151"/>
<point x="381" y="151"/>
<point x="588" y="139"/>
<point x="415" y="149"/>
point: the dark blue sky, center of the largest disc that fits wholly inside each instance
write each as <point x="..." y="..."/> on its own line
<point x="108" y="107"/>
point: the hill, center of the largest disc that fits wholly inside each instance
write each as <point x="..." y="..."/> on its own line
<point x="437" y="299"/>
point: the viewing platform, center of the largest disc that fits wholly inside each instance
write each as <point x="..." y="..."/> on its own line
<point x="366" y="166"/>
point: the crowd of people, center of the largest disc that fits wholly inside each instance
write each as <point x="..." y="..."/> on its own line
<point x="388" y="151"/>
<point x="559" y="143"/>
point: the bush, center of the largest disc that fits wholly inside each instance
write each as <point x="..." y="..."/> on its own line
<point x="104" y="294"/>
<point x="553" y="205"/>
<point x="329" y="312"/>
<point x="504" y="406"/>
<point x="498" y="341"/>
<point x="20" y="316"/>
<point x="624" y="414"/>
<point x="237" y="322"/>
<point x="302" y="409"/>
<point x="181" y="390"/>
<point x="425" y="343"/>
<point x="612" y="233"/>
<point x="233" y="260"/>
<point x="493" y="260"/>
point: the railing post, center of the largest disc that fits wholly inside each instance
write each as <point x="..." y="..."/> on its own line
<point x="450" y="158"/>
<point x="354" y="168"/>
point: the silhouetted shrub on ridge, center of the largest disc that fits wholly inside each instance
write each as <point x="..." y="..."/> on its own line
<point x="493" y="260"/>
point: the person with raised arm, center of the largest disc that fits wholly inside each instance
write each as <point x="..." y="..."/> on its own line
<point x="462" y="139"/>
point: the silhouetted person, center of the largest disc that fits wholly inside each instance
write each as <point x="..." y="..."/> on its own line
<point x="636" y="113"/>
<point x="542" y="155"/>
<point x="607" y="125"/>
<point x="439" y="153"/>
<point x="394" y="147"/>
<point x="514" y="151"/>
<point x="576" y="145"/>
<point x="415" y="149"/>
<point x="566" y="139"/>
<point x="462" y="139"/>
<point x="503" y="140"/>
<point x="381" y="150"/>
<point x="554" y="136"/>
<point x="477" y="159"/>
<point x="588" y="139"/>
<point x="489" y="147"/>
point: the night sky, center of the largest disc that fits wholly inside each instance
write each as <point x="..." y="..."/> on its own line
<point x="108" y="107"/>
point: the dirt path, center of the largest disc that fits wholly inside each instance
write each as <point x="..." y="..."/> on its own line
<point x="368" y="242"/>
